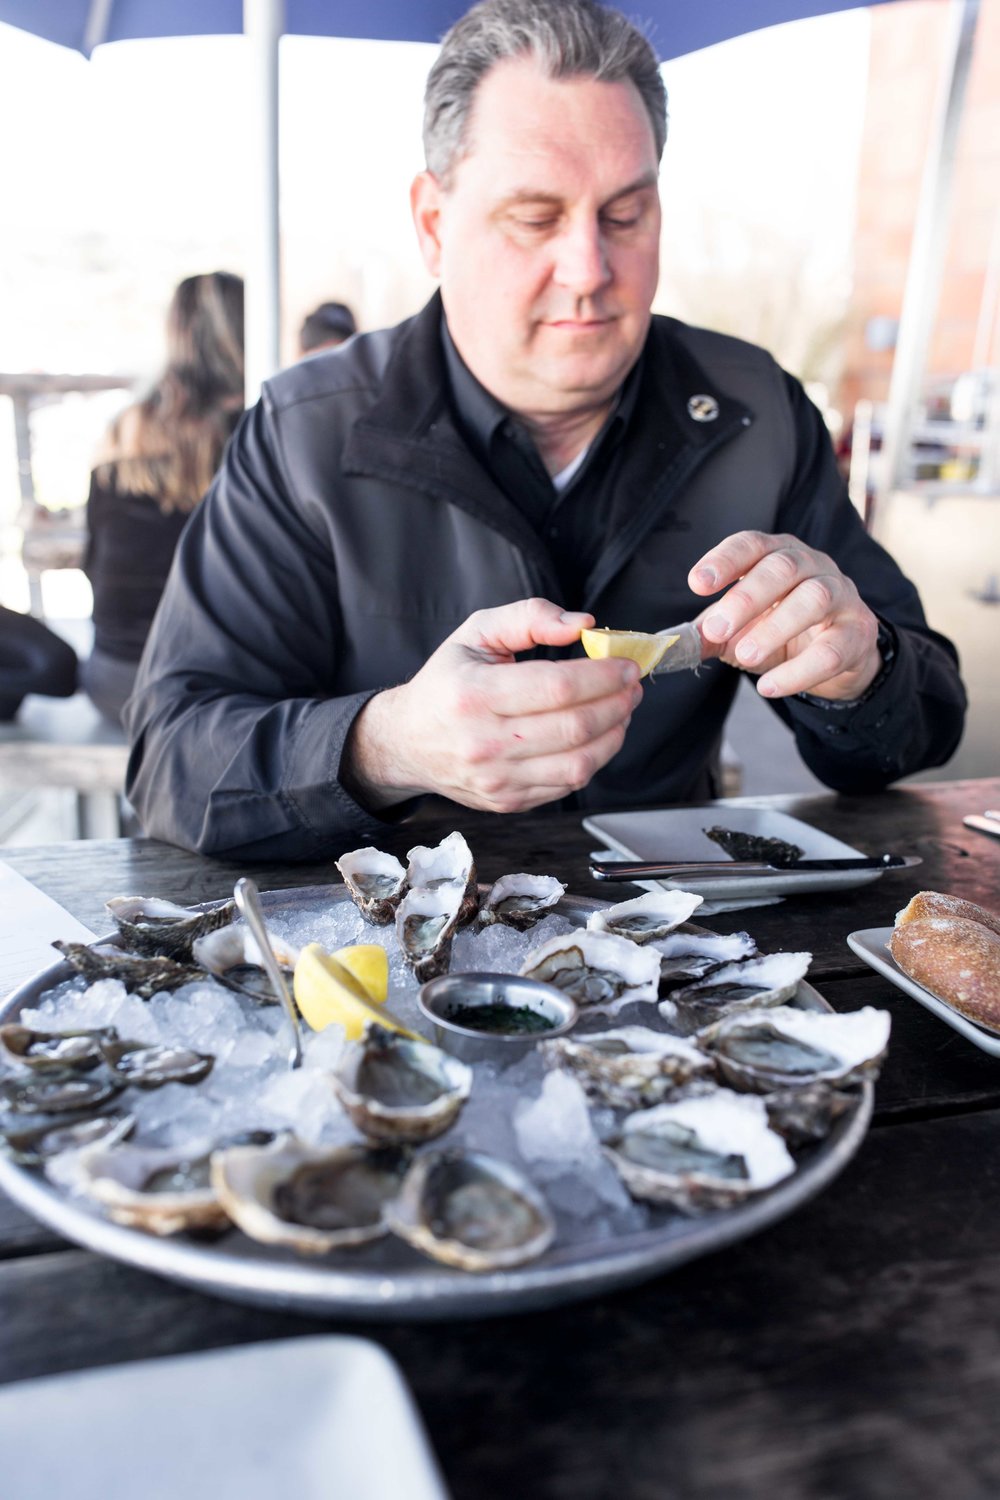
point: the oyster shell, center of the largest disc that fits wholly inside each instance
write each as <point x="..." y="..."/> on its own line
<point x="628" y="1068"/>
<point x="433" y="866"/>
<point x="232" y="956"/>
<point x="784" y="1047"/>
<point x="519" y="901"/>
<point x="740" y="845"/>
<point x="806" y="1114"/>
<point x="425" y="928"/>
<point x="376" y="881"/>
<point x="471" y="1211"/>
<point x="397" y="1089"/>
<point x="309" y="1198"/>
<point x="747" y="984"/>
<point x="700" y="1153"/>
<point x="163" y="1190"/>
<point x="647" y="917"/>
<point x="54" y="1051"/>
<point x="599" y="970"/>
<point x="33" y="1148"/>
<point x="685" y="956"/>
<point x="59" y="1095"/>
<point x="140" y="976"/>
<point x="150" y="926"/>
<point x="141" y="1066"/>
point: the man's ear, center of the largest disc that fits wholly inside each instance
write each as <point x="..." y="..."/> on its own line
<point x="425" y="206"/>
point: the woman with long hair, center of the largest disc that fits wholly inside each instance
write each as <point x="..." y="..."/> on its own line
<point x="156" y="462"/>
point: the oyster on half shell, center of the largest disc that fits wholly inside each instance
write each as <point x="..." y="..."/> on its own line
<point x="150" y="926"/>
<point x="701" y="1153"/>
<point x="630" y="1068"/>
<point x="54" y="1051"/>
<point x="647" y="917"/>
<point x="686" y="956"/>
<point x="139" y="1065"/>
<point x="232" y="956"/>
<point x="784" y="1047"/>
<point x="448" y="863"/>
<point x="519" y="901"/>
<point x="310" y="1199"/>
<point x="425" y="928"/>
<point x="747" y="984"/>
<point x="598" y="970"/>
<point x="33" y="1148"/>
<point x="471" y="1211"/>
<point x="397" y="1089"/>
<point x="376" y="881"/>
<point x="163" y="1190"/>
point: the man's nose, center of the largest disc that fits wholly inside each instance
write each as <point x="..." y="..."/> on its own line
<point x="581" y="263"/>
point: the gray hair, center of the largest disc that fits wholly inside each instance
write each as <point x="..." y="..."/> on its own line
<point x="568" y="38"/>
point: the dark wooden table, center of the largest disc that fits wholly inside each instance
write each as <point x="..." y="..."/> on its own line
<point x="853" y="1350"/>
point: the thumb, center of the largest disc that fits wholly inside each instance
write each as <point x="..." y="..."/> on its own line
<point x="496" y="634"/>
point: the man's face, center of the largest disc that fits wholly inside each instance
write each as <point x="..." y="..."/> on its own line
<point x="546" y="242"/>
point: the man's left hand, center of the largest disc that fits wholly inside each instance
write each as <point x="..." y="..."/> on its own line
<point x="789" y="614"/>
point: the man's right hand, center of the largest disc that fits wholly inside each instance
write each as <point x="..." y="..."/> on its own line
<point x="490" y="732"/>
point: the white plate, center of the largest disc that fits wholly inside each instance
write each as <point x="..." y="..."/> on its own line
<point x="675" y="833"/>
<point x="872" y="945"/>
<point x="311" y="1417"/>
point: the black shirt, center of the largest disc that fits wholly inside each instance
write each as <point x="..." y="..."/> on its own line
<point x="572" y="523"/>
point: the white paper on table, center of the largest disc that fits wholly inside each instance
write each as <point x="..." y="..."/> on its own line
<point x="30" y="922"/>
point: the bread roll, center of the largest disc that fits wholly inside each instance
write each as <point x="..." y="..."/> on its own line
<point x="956" y="959"/>
<point x="938" y="904"/>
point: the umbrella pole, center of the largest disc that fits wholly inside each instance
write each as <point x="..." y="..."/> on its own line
<point x="263" y="23"/>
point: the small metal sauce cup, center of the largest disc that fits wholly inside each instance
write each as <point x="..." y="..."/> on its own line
<point x="440" y="998"/>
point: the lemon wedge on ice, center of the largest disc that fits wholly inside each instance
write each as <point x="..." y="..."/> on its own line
<point x="369" y="965"/>
<point x="326" y="991"/>
<point x="647" y="650"/>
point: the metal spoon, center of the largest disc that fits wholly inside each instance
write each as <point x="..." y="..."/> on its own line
<point x="247" y="899"/>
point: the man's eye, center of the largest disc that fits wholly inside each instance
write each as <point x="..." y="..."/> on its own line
<point x="621" y="221"/>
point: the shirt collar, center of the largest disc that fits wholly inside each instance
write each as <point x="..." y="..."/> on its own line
<point x="483" y="417"/>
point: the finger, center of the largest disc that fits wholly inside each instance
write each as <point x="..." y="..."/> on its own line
<point x="834" y="662"/>
<point x="728" y="560"/>
<point x="814" y="601"/>
<point x="782" y="570"/>
<point x="540" y="735"/>
<point x="500" y="632"/>
<point x="518" y="785"/>
<point x="516" y="689"/>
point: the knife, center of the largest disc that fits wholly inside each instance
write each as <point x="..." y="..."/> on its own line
<point x="636" y="870"/>
<point x="987" y="824"/>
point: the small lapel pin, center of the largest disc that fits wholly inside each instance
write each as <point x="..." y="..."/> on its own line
<point x="703" y="408"/>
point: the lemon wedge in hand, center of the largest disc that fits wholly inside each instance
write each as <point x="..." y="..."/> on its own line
<point x="326" y="990"/>
<point x="647" y="650"/>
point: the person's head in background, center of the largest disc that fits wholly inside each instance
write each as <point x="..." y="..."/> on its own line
<point x="169" y="444"/>
<point x="326" y="326"/>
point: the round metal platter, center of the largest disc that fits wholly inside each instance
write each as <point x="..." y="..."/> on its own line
<point x="389" y="1280"/>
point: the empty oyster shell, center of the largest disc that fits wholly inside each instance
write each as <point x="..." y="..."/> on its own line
<point x="700" y="1153"/>
<point x="151" y="926"/>
<point x="748" y="984"/>
<point x="519" y="901"/>
<point x="629" y="1068"/>
<point x="54" y="1051"/>
<point x="376" y="881"/>
<point x="163" y="1190"/>
<point x="232" y="956"/>
<point x="651" y="916"/>
<point x="599" y="970"/>
<point x="59" y="1095"/>
<point x="471" y="1211"/>
<point x="431" y="867"/>
<point x="309" y="1198"/>
<point x="425" y="927"/>
<point x="685" y="956"/>
<point x="396" y="1089"/>
<point x="33" y="1148"/>
<point x="145" y="1067"/>
<point x="784" y="1047"/>
<point x="140" y="976"/>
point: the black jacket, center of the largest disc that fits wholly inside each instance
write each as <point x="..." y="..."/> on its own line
<point x="350" y="530"/>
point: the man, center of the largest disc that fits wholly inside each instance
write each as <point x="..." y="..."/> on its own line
<point x="395" y="524"/>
